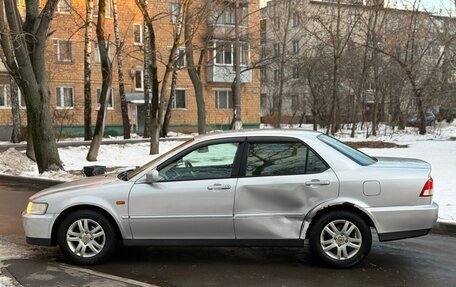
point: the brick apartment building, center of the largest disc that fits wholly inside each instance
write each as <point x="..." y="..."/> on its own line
<point x="65" y="55"/>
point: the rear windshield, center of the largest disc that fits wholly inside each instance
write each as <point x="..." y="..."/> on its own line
<point x="353" y="154"/>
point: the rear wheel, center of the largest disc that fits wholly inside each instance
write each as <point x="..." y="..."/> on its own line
<point x="340" y="239"/>
<point x="86" y="237"/>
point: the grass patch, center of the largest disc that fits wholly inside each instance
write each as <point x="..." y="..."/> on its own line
<point x="375" y="144"/>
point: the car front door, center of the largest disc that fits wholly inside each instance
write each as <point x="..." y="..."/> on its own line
<point x="194" y="197"/>
<point x="282" y="180"/>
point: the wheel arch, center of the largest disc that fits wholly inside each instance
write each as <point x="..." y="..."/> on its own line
<point x="75" y="208"/>
<point x="330" y="207"/>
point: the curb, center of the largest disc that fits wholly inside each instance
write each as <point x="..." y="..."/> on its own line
<point x="103" y="142"/>
<point x="14" y="283"/>
<point x="32" y="180"/>
<point x="442" y="226"/>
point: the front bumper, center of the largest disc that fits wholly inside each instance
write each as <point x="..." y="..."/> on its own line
<point x="400" y="222"/>
<point x="38" y="228"/>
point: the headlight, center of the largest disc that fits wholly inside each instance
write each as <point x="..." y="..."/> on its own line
<point x="36" y="208"/>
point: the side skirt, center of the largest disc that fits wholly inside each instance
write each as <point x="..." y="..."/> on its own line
<point x="216" y="242"/>
<point x="402" y="235"/>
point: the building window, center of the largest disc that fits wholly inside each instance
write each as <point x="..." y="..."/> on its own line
<point x="108" y="8"/>
<point x="65" y="97"/>
<point x="4" y="96"/>
<point x="245" y="53"/>
<point x="276" y="75"/>
<point x="294" y="102"/>
<point x="295" y="72"/>
<point x="276" y="50"/>
<point x="295" y="46"/>
<point x="174" y="9"/>
<point x="139" y="80"/>
<point x="223" y="53"/>
<point x="263" y="74"/>
<point x="275" y="23"/>
<point x="97" y="53"/>
<point x="63" y="6"/>
<point x="22" y="103"/>
<point x="181" y="60"/>
<point x="295" y="20"/>
<point x="138" y="34"/>
<point x="263" y="101"/>
<point x="227" y="17"/>
<point x="63" y="51"/>
<point x="223" y="99"/>
<point x="109" y="99"/>
<point x="180" y="100"/>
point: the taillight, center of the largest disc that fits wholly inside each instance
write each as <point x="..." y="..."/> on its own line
<point x="428" y="188"/>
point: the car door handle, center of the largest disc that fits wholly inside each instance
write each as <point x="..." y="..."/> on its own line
<point x="317" y="182"/>
<point x="219" y="186"/>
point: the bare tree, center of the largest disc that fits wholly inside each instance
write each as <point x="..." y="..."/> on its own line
<point x="88" y="71"/>
<point x="23" y="44"/>
<point x="106" y="71"/>
<point x="15" y="112"/>
<point x="123" y="100"/>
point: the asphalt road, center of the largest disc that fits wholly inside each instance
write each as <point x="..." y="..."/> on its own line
<point x="425" y="261"/>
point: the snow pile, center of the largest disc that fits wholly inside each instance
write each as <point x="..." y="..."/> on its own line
<point x="15" y="162"/>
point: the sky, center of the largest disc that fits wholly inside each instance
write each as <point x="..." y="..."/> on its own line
<point x="436" y="6"/>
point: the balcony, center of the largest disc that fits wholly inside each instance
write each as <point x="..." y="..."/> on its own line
<point x="226" y="74"/>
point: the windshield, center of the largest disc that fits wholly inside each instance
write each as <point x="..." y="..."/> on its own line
<point x="353" y="154"/>
<point x="137" y="171"/>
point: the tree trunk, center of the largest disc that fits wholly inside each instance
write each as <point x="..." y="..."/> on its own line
<point x="169" y="108"/>
<point x="237" y="119"/>
<point x="106" y="71"/>
<point x="146" y="82"/>
<point x="16" y="113"/>
<point x="123" y="100"/>
<point x="195" y="77"/>
<point x="27" y="66"/>
<point x="88" y="71"/>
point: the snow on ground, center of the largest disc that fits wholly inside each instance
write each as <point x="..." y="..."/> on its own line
<point x="8" y="251"/>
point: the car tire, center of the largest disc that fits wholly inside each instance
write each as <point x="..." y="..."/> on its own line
<point x="86" y="237"/>
<point x="340" y="239"/>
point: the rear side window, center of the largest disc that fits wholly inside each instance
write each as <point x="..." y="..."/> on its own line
<point x="353" y="154"/>
<point x="284" y="158"/>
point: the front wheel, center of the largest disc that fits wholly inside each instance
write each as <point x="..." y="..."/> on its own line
<point x="86" y="237"/>
<point x="340" y="239"/>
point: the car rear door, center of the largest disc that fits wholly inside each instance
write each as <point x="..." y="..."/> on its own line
<point x="194" y="198"/>
<point x="281" y="179"/>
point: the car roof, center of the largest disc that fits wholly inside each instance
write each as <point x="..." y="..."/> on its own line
<point x="298" y="133"/>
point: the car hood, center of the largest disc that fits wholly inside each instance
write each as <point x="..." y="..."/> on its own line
<point x="397" y="162"/>
<point x="81" y="184"/>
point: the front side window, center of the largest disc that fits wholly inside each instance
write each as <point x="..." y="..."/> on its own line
<point x="283" y="158"/>
<point x="208" y="162"/>
<point x="63" y="51"/>
<point x="223" y="99"/>
<point x="64" y="97"/>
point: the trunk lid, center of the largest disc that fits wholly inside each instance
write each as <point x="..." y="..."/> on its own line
<point x="406" y="163"/>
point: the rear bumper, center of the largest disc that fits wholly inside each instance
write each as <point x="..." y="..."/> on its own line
<point x="403" y="221"/>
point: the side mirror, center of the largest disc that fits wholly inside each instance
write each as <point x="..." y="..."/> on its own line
<point x="152" y="176"/>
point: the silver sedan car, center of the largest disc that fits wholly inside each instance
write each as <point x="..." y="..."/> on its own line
<point x="247" y="188"/>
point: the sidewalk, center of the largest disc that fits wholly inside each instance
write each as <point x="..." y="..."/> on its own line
<point x="35" y="273"/>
